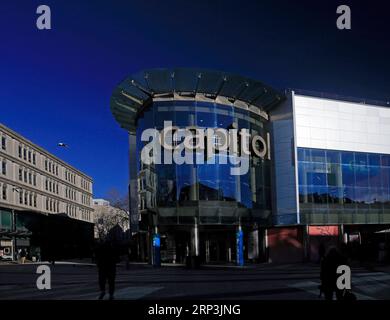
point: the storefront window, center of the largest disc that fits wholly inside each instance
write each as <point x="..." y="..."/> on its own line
<point x="5" y="219"/>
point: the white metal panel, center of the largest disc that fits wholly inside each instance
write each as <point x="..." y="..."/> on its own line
<point x="339" y="125"/>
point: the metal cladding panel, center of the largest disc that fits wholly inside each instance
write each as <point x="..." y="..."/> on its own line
<point x="125" y="104"/>
<point x="268" y="100"/>
<point x="124" y="111"/>
<point x="252" y="91"/>
<point x="125" y="120"/>
<point x="186" y="80"/>
<point x="139" y="79"/>
<point x="233" y="86"/>
<point x="128" y="89"/>
<point x="210" y="82"/>
<point x="330" y="124"/>
<point x="284" y="183"/>
<point x="259" y="100"/>
<point x="123" y="115"/>
<point x="159" y="80"/>
<point x="139" y="90"/>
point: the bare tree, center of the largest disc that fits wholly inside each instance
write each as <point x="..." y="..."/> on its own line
<point x="113" y="218"/>
<point x="118" y="200"/>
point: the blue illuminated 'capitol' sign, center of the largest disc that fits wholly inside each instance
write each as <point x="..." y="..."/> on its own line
<point x="194" y="145"/>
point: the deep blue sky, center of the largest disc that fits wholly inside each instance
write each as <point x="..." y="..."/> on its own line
<point x="55" y="85"/>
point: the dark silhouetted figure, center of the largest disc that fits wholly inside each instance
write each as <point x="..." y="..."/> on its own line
<point x="329" y="274"/>
<point x="23" y="255"/>
<point x="106" y="259"/>
<point x="321" y="252"/>
<point x="128" y="258"/>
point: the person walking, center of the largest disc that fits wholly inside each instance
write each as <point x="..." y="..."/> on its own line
<point x="106" y="259"/>
<point x="329" y="265"/>
<point x="128" y="258"/>
<point x="321" y="252"/>
<point x="23" y="255"/>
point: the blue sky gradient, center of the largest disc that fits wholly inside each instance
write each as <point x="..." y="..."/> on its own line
<point x="55" y="85"/>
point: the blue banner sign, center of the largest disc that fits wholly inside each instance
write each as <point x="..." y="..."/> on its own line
<point x="156" y="250"/>
<point x="240" y="247"/>
<point x="156" y="240"/>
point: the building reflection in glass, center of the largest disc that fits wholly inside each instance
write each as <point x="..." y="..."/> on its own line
<point x="210" y="186"/>
<point x="343" y="183"/>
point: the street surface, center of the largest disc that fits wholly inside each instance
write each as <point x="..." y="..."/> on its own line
<point x="265" y="282"/>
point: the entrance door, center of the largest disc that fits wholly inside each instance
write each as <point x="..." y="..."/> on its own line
<point x="217" y="249"/>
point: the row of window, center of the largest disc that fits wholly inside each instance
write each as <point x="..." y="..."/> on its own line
<point x="51" y="186"/>
<point x="69" y="176"/>
<point x="85" y="199"/>
<point x="27" y="154"/>
<point x="344" y="157"/>
<point x="27" y="198"/>
<point x="30" y="199"/>
<point x="27" y="176"/>
<point x="340" y="174"/>
<point x="71" y="210"/>
<point x="52" y="205"/>
<point x="3" y="166"/>
<point x="3" y="142"/>
<point x="3" y="191"/>
<point x="322" y="174"/>
<point x="344" y="195"/>
<point x="30" y="177"/>
<point x="85" y="214"/>
<point x="85" y="184"/>
<point x="343" y="179"/>
<point x="70" y="193"/>
<point x="51" y="167"/>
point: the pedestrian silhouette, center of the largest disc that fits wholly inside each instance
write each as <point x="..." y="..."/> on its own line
<point x="23" y="255"/>
<point x="329" y="265"/>
<point x="106" y="259"/>
<point x="321" y="252"/>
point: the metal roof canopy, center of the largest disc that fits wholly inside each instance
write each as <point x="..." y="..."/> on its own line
<point x="136" y="92"/>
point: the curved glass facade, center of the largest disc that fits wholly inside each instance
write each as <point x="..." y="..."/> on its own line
<point x="207" y="191"/>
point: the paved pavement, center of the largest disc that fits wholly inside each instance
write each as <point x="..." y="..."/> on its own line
<point x="266" y="282"/>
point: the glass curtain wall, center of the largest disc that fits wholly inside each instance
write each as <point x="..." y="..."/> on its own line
<point x="181" y="190"/>
<point x="343" y="186"/>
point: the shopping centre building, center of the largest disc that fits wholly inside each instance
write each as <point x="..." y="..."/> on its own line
<point x="45" y="204"/>
<point x="284" y="172"/>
